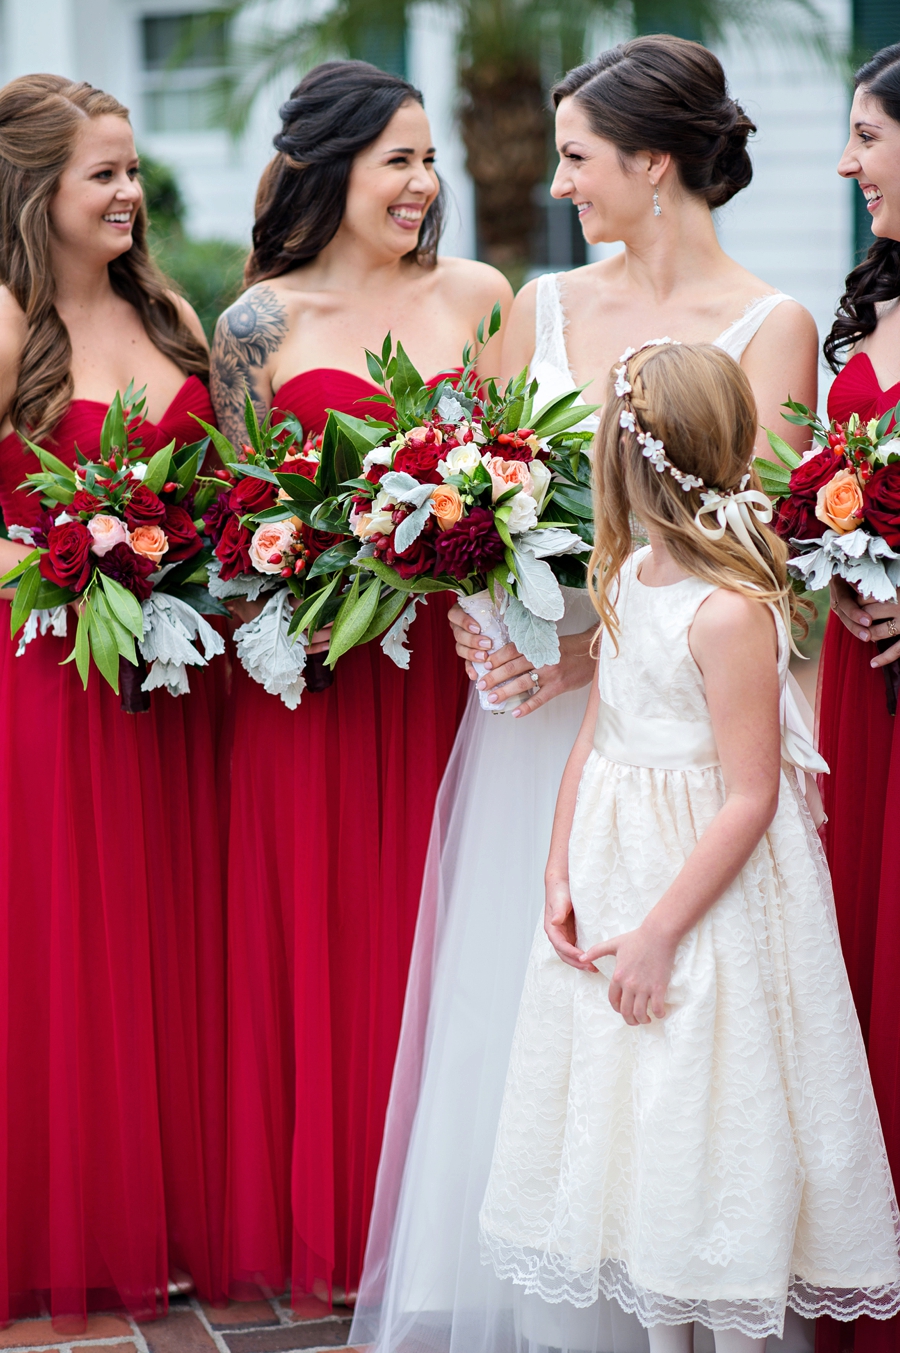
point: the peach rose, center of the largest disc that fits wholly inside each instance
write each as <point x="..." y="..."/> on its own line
<point x="269" y="544"/>
<point x="150" y="541"/>
<point x="839" y="503"/>
<point x="447" y="505"/>
<point x="106" y="532"/>
<point x="505" y="474"/>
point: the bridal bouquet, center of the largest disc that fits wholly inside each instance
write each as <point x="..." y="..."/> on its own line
<point x="839" y="505"/>
<point x="118" y="537"/>
<point x="271" y="536"/>
<point x="468" y="491"/>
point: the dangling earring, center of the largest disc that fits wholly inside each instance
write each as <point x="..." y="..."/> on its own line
<point x="657" y="209"/>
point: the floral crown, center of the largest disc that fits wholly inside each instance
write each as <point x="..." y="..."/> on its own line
<point x="742" y="509"/>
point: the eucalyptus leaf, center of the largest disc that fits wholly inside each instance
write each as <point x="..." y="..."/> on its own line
<point x="538" y="588"/>
<point x="535" y="638"/>
<point x="412" y="526"/>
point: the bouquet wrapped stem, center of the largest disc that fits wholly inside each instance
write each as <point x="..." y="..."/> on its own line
<point x="487" y="612"/>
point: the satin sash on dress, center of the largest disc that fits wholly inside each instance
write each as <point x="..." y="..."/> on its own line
<point x="660" y="744"/>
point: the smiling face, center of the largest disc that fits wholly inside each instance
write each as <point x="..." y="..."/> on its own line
<point x="99" y="193"/>
<point x="872" y="157"/>
<point x="392" y="184"/>
<point x="612" y="197"/>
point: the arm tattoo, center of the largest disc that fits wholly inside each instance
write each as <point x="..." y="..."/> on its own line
<point x="246" y="336"/>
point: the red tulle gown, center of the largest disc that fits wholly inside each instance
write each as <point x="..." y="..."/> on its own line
<point x="330" y="816"/>
<point x="112" y="1053"/>
<point x="861" y="743"/>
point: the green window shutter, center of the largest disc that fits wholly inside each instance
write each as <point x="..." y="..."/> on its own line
<point x="876" y="24"/>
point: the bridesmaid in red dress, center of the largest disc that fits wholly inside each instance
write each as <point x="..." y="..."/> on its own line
<point x="332" y="804"/>
<point x="111" y="918"/>
<point x="859" y="739"/>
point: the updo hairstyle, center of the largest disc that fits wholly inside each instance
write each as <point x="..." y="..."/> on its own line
<point x="337" y="110"/>
<point x="877" y="278"/>
<point x="667" y="94"/>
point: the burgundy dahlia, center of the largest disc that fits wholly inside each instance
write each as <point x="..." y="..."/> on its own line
<point x="130" y="569"/>
<point x="215" y="517"/>
<point x="473" y="545"/>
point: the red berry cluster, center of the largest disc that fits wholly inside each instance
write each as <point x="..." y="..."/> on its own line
<point x="295" y="563"/>
<point x="856" y="455"/>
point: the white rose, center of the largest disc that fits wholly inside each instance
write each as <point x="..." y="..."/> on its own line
<point x="139" y="469"/>
<point x="540" y="478"/>
<point x="523" y="515"/>
<point x="382" y="455"/>
<point x="380" y="520"/>
<point x="461" y="460"/>
<point x="891" y="448"/>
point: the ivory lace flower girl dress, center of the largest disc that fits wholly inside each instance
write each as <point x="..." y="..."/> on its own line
<point x="728" y="1160"/>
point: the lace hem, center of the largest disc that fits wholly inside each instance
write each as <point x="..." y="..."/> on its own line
<point x="549" y="1277"/>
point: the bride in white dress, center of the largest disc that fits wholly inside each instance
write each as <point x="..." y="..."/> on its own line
<point x="424" y="1288"/>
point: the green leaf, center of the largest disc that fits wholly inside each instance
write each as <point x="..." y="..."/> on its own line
<point x="200" y="598"/>
<point x="49" y="595"/>
<point x="113" y="436"/>
<point x="251" y="422"/>
<point x="575" y="500"/>
<point x="337" y="556"/>
<point x="245" y="470"/>
<point x="385" y="615"/>
<point x="407" y="383"/>
<point x="353" y="619"/>
<point x="104" y="649"/>
<point x="158" y="469"/>
<point x="775" y="479"/>
<point x="21" y="567"/>
<point x="785" y="453"/>
<point x="82" y="650"/>
<point x="297" y="486"/>
<point x="186" y="474"/>
<point x="123" y="637"/>
<point x="376" y="368"/>
<point x="54" y="466"/>
<point x="227" y="452"/>
<point x="561" y="414"/>
<point x="386" y="348"/>
<point x="58" y="494"/>
<point x="495" y="321"/>
<point x="24" y="599"/>
<point x="124" y="605"/>
<point x="308" y="612"/>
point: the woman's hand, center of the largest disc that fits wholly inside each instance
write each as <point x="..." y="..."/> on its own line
<point x="846" y="604"/>
<point x="243" y="610"/>
<point x="559" y="924"/>
<point x="885" y="624"/>
<point x="509" y="669"/>
<point x="644" y="959"/>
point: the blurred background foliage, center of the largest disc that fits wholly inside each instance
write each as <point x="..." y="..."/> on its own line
<point x="207" y="272"/>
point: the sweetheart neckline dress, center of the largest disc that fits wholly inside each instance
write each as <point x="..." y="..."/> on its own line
<point x="112" y="1045"/>
<point x="329" y="819"/>
<point x="424" y="1287"/>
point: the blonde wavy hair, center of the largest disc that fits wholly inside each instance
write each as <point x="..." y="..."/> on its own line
<point x="40" y="117"/>
<point x="697" y="401"/>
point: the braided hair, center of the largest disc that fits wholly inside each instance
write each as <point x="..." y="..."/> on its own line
<point x="877" y="277"/>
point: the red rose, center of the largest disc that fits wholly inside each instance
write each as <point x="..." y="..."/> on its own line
<point x="416" y="559"/>
<point x="86" y="502"/>
<point x="301" y="465"/>
<point x="68" y="562"/>
<point x="317" y="542"/>
<point x="130" y="569"/>
<point x="809" y="477"/>
<point x="795" y="519"/>
<point x="420" y="461"/>
<point x="143" y="509"/>
<point x="881" y="504"/>
<point x="252" y="495"/>
<point x="181" y="534"/>
<point x="377" y="473"/>
<point x="233" y="549"/>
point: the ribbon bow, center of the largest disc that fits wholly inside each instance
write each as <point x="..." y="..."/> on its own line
<point x="736" y="510"/>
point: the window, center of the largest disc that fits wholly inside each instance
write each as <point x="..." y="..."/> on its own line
<point x="182" y="55"/>
<point x="875" y="25"/>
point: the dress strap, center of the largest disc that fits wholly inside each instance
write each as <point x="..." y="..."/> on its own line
<point x="550" y="325"/>
<point x="736" y="337"/>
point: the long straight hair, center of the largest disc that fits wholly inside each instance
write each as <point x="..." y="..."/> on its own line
<point x="40" y="117"/>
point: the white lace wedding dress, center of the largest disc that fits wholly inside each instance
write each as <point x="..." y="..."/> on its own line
<point x="727" y="1160"/>
<point x="424" y="1288"/>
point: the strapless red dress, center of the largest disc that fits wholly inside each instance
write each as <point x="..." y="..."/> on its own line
<point x="331" y="811"/>
<point x="112" y="1055"/>
<point x="861" y="743"/>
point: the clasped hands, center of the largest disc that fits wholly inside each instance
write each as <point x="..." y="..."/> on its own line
<point x="868" y="620"/>
<point x="644" y="957"/>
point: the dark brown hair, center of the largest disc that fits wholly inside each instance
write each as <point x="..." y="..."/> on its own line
<point x="877" y="278"/>
<point x="668" y="94"/>
<point x="40" y="116"/>
<point x="336" y="111"/>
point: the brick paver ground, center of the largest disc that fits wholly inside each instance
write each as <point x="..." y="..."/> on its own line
<point x="193" y="1327"/>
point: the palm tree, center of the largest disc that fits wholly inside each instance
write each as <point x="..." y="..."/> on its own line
<point x="508" y="51"/>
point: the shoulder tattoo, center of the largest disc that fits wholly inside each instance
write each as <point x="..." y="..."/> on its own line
<point x="246" y="336"/>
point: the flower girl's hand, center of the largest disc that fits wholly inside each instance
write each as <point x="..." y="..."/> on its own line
<point x="644" y="959"/>
<point x="559" y="925"/>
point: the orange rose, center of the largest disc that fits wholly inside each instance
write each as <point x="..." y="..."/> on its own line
<point x="839" y="503"/>
<point x="150" y="541"/>
<point x="448" y="506"/>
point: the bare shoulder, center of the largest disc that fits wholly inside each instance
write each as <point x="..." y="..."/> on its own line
<point x="730" y="623"/>
<point x="478" y="284"/>
<point x="13" y="328"/>
<point x="188" y="316"/>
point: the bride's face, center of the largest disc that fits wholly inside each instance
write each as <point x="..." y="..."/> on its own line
<point x="872" y="157"/>
<point x="612" y="193"/>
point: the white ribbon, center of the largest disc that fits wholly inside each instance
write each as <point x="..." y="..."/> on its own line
<point x="738" y="511"/>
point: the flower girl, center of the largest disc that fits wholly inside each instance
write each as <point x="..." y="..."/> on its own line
<point x="688" y="1123"/>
